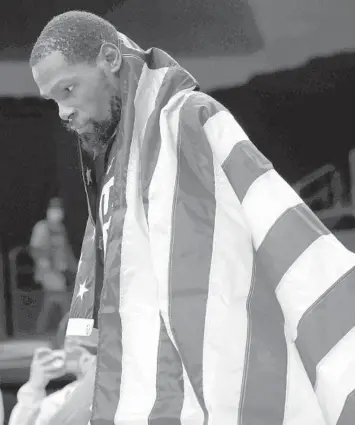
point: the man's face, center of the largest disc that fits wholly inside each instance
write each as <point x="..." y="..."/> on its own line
<point x="86" y="96"/>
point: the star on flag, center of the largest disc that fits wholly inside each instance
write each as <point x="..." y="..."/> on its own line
<point x="82" y="290"/>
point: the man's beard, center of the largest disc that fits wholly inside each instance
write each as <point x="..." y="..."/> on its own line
<point x="96" y="141"/>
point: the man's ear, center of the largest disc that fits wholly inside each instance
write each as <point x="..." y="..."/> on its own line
<point x="109" y="58"/>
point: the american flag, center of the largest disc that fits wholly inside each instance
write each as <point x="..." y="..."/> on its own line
<point x="225" y="300"/>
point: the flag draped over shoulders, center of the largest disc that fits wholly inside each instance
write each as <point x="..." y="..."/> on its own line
<point x="224" y="299"/>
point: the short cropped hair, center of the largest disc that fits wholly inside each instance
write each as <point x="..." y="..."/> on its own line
<point x="78" y="35"/>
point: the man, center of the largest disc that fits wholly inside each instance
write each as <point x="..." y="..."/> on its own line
<point x="34" y="406"/>
<point x="222" y="299"/>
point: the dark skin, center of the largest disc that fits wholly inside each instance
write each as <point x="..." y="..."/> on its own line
<point x="87" y="94"/>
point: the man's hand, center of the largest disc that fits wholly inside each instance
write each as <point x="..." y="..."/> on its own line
<point x="46" y="365"/>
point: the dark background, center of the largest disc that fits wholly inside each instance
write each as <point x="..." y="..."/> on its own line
<point x="300" y="119"/>
<point x="188" y="27"/>
<point x="38" y="161"/>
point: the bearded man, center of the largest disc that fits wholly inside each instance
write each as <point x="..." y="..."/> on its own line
<point x="216" y="295"/>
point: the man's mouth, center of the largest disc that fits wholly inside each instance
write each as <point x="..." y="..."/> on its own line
<point x="78" y="128"/>
<point x="81" y="129"/>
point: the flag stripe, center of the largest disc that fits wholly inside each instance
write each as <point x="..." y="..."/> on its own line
<point x="224" y="134"/>
<point x="302" y="406"/>
<point x="206" y="110"/>
<point x="255" y="183"/>
<point x="191" y="248"/>
<point x="152" y="140"/>
<point x="270" y="222"/>
<point x="109" y="369"/>
<point x="244" y="165"/>
<point x="170" y="384"/>
<point x="161" y="204"/>
<point x="266" y="200"/>
<point x="316" y="265"/>
<point x="348" y="413"/>
<point x="336" y="378"/>
<point x="335" y="312"/>
<point x="109" y="362"/>
<point x="85" y="274"/>
<point x="306" y="229"/>
<point x="309" y="229"/>
<point x="147" y="105"/>
<point x="139" y="308"/>
<point x="264" y="389"/>
<point x="226" y="314"/>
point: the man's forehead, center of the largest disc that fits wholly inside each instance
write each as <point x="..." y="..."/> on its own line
<point x="52" y="70"/>
<point x="50" y="65"/>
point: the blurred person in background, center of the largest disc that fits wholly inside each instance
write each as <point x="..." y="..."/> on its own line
<point x="55" y="263"/>
<point x="34" y="406"/>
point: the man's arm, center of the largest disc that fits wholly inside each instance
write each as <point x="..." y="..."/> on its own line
<point x="311" y="272"/>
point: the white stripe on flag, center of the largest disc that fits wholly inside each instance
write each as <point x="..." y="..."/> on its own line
<point x="302" y="405"/>
<point x="268" y="197"/>
<point x="310" y="276"/>
<point x="161" y="199"/>
<point x="139" y="307"/>
<point x="226" y="323"/>
<point x="223" y="133"/>
<point x="336" y="377"/>
<point x="144" y="101"/>
<point x="139" y="310"/>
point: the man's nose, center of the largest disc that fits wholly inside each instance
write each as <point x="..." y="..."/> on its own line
<point x="65" y="112"/>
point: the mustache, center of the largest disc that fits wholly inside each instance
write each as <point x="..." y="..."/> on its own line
<point x="70" y="127"/>
<point x="67" y="125"/>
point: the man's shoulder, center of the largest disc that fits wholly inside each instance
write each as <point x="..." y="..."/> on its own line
<point x="200" y="107"/>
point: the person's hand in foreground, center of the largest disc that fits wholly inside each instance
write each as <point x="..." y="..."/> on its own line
<point x="46" y="365"/>
<point x="77" y="407"/>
